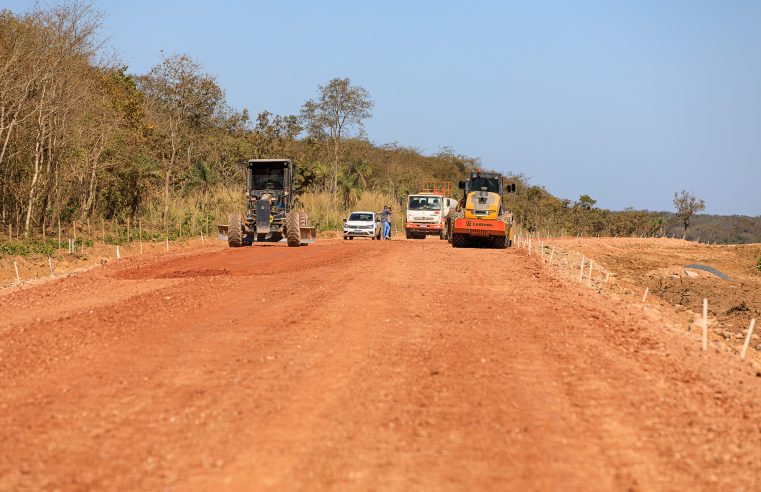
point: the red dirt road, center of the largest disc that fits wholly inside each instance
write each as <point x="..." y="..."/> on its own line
<point x="399" y="365"/>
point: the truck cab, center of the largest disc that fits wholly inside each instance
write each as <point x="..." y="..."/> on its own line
<point x="427" y="211"/>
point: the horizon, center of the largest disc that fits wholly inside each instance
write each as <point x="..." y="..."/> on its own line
<point x="626" y="103"/>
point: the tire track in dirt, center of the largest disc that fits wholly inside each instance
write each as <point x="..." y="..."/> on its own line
<point x="383" y="365"/>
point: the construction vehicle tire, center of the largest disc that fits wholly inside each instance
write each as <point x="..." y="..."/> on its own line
<point x="459" y="240"/>
<point x="234" y="231"/>
<point x="450" y="224"/>
<point x="501" y="242"/>
<point x="292" y="230"/>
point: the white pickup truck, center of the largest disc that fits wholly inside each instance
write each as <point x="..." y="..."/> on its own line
<point x="362" y="224"/>
<point x="426" y="215"/>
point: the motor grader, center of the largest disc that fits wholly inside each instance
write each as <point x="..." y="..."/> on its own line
<point x="270" y="215"/>
<point x="480" y="218"/>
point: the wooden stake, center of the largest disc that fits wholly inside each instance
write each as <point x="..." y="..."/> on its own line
<point x="607" y="275"/>
<point x="747" y="337"/>
<point x="581" y="270"/>
<point x="589" y="280"/>
<point x="644" y="297"/>
<point x="552" y="253"/>
<point x="202" y="243"/>
<point x="705" y="324"/>
<point x="118" y="256"/>
<point x="167" y="243"/>
<point x="50" y="264"/>
<point x="18" y="277"/>
<point x="140" y="232"/>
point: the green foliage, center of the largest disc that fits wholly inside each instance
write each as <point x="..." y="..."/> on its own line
<point x="27" y="247"/>
<point x="535" y="209"/>
<point x="165" y="148"/>
<point x="586" y="202"/>
<point x="758" y="264"/>
<point x="687" y="204"/>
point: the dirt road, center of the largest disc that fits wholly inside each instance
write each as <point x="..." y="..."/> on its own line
<point x="399" y="365"/>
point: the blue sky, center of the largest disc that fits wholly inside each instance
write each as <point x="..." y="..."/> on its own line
<point x="624" y="101"/>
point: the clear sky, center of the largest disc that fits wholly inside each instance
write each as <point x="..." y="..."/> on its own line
<point x="627" y="101"/>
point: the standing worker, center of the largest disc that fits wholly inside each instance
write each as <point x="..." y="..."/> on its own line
<point x="386" y="222"/>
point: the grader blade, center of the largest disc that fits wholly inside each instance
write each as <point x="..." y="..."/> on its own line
<point x="308" y="235"/>
<point x="222" y="232"/>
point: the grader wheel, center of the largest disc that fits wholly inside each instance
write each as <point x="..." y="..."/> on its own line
<point x="292" y="230"/>
<point x="234" y="231"/>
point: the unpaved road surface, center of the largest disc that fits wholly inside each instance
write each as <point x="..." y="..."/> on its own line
<point x="399" y="365"/>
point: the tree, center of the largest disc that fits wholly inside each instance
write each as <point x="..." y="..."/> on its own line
<point x="182" y="100"/>
<point x="339" y="108"/>
<point x="687" y="204"/>
<point x="354" y="179"/>
<point x="586" y="202"/>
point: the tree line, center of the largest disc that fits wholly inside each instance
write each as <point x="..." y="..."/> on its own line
<point x="82" y="138"/>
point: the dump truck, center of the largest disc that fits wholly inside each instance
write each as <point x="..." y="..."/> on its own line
<point x="271" y="214"/>
<point x="480" y="218"/>
<point x="427" y="210"/>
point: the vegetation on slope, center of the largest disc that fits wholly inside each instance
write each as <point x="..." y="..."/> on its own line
<point x="88" y="149"/>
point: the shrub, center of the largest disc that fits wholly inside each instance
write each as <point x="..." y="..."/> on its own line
<point x="28" y="247"/>
<point x="758" y="264"/>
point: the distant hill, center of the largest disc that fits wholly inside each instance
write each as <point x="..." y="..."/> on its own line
<point x="732" y="229"/>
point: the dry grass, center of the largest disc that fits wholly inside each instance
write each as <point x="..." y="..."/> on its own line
<point x="327" y="215"/>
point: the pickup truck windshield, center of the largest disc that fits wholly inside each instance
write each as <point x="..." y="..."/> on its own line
<point x="424" y="203"/>
<point x="360" y="217"/>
